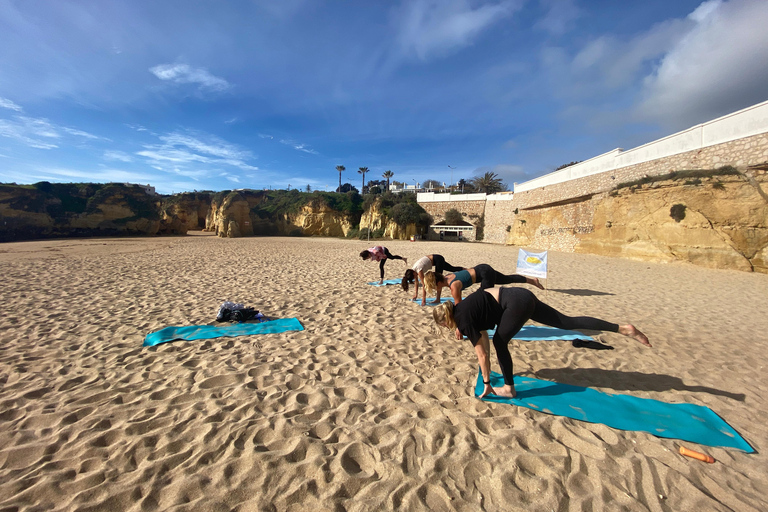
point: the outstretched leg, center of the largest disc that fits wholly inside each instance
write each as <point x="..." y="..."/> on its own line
<point x="441" y="265"/>
<point x="391" y="256"/>
<point x="548" y="315"/>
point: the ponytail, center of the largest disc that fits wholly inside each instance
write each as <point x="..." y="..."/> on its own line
<point x="409" y="277"/>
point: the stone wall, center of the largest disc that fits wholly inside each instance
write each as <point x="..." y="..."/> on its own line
<point x="726" y="225"/>
<point x="739" y="153"/>
<point x="471" y="211"/>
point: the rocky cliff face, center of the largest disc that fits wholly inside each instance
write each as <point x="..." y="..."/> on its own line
<point x="185" y="212"/>
<point x="236" y="214"/>
<point x="47" y="210"/>
<point x="375" y="220"/>
<point x="718" y="222"/>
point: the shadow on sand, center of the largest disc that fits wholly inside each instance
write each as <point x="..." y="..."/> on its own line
<point x="579" y="291"/>
<point x="627" y="381"/>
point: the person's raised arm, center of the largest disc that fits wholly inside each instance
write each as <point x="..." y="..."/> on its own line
<point x="482" y="349"/>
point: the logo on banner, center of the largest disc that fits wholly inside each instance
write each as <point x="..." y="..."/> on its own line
<point x="532" y="264"/>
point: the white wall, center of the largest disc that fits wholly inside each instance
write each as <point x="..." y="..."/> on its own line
<point x="431" y="197"/>
<point x="744" y="123"/>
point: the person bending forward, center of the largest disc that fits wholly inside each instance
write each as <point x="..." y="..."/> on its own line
<point x="509" y="309"/>
<point x="483" y="274"/>
<point x="380" y="254"/>
<point x="416" y="274"/>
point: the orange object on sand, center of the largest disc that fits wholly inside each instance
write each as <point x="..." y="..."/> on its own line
<point x="696" y="455"/>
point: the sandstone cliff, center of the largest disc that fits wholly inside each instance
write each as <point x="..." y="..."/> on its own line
<point x="248" y="213"/>
<point x="377" y="220"/>
<point x="185" y="212"/>
<point x="48" y="210"/>
<point x="717" y="222"/>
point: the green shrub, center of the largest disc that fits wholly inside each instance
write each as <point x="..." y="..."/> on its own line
<point x="453" y="217"/>
<point x="677" y="212"/>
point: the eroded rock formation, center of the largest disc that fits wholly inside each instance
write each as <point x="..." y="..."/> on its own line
<point x="47" y="210"/>
<point x="717" y="222"/>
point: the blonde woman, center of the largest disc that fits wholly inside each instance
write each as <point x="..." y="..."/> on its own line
<point x="416" y="274"/>
<point x="483" y="274"/>
<point x="508" y="309"/>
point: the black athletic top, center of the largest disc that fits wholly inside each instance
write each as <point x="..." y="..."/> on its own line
<point x="479" y="311"/>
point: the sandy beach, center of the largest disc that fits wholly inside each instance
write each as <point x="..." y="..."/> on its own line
<point x="371" y="406"/>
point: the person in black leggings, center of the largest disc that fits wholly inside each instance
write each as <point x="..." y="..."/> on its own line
<point x="484" y="274"/>
<point x="508" y="309"/>
<point x="380" y="254"/>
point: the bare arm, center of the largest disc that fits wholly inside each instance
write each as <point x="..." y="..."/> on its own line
<point x="482" y="349"/>
<point x="456" y="292"/>
<point x="437" y="293"/>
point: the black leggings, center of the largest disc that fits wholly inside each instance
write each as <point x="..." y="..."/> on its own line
<point x="520" y="305"/>
<point x="441" y="265"/>
<point x="389" y="256"/>
<point x="488" y="277"/>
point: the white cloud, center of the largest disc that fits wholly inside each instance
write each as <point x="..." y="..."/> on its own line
<point x="184" y="149"/>
<point x="35" y="133"/>
<point x="117" y="155"/>
<point x="437" y="27"/>
<point x="6" y="103"/>
<point x="186" y="74"/>
<point x="720" y="66"/>
<point x="81" y="133"/>
<point x="561" y="14"/>
<point x="298" y="146"/>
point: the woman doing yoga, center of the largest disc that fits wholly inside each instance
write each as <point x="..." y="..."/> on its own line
<point x="416" y="274"/>
<point x="508" y="309"/>
<point x="380" y="254"/>
<point x="484" y="274"/>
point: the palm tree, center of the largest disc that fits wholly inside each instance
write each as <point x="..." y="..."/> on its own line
<point x="387" y="175"/>
<point x="341" y="169"/>
<point x="489" y="183"/>
<point x="362" y="171"/>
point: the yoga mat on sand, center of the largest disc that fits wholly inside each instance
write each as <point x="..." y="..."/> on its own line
<point x="386" y="282"/>
<point x="205" y="332"/>
<point x="430" y="302"/>
<point x="687" y="422"/>
<point x="540" y="332"/>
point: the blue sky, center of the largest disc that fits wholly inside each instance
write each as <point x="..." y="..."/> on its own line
<point x="215" y="95"/>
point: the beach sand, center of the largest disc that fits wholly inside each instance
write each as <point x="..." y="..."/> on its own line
<point x="371" y="407"/>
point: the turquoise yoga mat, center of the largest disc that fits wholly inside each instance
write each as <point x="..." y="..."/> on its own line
<point x="386" y="282"/>
<point x="431" y="300"/>
<point x="687" y="422"/>
<point x="540" y="332"/>
<point x="205" y="332"/>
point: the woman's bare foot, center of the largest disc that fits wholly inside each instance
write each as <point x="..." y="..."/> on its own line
<point x="405" y="260"/>
<point x="535" y="282"/>
<point x="633" y="332"/>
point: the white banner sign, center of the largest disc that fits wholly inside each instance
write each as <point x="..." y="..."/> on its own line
<point x="532" y="264"/>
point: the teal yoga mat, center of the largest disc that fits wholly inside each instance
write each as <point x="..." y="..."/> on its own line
<point x="386" y="282"/>
<point x="687" y="422"/>
<point x="431" y="300"/>
<point x="205" y="332"/>
<point x="540" y="332"/>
